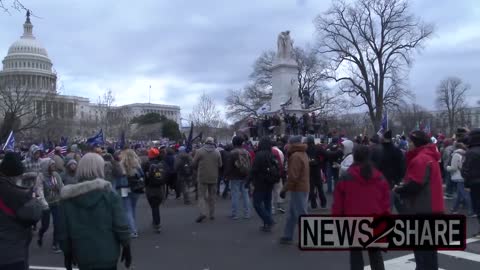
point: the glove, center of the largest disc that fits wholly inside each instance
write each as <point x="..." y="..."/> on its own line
<point x="126" y="256"/>
<point x="283" y="194"/>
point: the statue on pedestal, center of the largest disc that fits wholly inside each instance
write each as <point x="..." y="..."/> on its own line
<point x="284" y="46"/>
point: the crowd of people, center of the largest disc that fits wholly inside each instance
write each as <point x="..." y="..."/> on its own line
<point x="91" y="196"/>
<point x="307" y="123"/>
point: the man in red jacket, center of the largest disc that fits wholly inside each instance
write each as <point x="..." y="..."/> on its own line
<point x="422" y="188"/>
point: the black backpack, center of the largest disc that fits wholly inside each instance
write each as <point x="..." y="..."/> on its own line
<point x="158" y="175"/>
<point x="272" y="171"/>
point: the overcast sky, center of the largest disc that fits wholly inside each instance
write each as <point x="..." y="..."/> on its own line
<point x="184" y="47"/>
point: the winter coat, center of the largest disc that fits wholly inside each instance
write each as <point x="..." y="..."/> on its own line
<point x="18" y="212"/>
<point x="315" y="163"/>
<point x="355" y="195"/>
<point x="52" y="183"/>
<point x="92" y="224"/>
<point x="59" y="163"/>
<point x="231" y="172"/>
<point x="456" y="164"/>
<point x="347" y="156"/>
<point x="68" y="178"/>
<point x="447" y="155"/>
<point x="427" y="197"/>
<point x="207" y="160"/>
<point x="257" y="174"/>
<point x="298" y="179"/>
<point x="181" y="160"/>
<point x="471" y="166"/>
<point x="150" y="190"/>
<point x="30" y="164"/>
<point x="392" y="164"/>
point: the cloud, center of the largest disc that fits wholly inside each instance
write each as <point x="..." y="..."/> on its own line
<point x="183" y="48"/>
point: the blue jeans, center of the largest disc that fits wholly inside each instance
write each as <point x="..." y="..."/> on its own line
<point x="262" y="202"/>
<point x="298" y="207"/>
<point x="130" y="206"/>
<point x="450" y="185"/>
<point x="239" y="191"/>
<point x="462" y="195"/>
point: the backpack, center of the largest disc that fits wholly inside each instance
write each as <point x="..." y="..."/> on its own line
<point x="158" y="175"/>
<point x="242" y="163"/>
<point x="272" y="171"/>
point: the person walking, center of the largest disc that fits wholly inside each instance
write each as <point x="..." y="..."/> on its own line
<point x="362" y="191"/>
<point x="471" y="172"/>
<point x="316" y="181"/>
<point x="135" y="177"/>
<point x="277" y="202"/>
<point x="68" y="176"/>
<point x="19" y="211"/>
<point x="265" y="173"/>
<point x="207" y="161"/>
<point x="422" y="189"/>
<point x="156" y="185"/>
<point x="52" y="184"/>
<point x="93" y="226"/>
<point x="298" y="185"/>
<point x="454" y="169"/>
<point x="184" y="170"/>
<point x="392" y="165"/>
<point x="236" y="172"/>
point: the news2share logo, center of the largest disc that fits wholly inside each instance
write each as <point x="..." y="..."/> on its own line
<point x="395" y="232"/>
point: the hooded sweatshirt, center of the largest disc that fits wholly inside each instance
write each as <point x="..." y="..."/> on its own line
<point x="207" y="161"/>
<point x="356" y="195"/>
<point x="456" y="164"/>
<point x="347" y="156"/>
<point x="31" y="164"/>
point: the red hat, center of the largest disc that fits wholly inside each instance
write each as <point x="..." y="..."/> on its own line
<point x="153" y="153"/>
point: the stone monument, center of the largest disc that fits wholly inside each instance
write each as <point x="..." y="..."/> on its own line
<point x="284" y="78"/>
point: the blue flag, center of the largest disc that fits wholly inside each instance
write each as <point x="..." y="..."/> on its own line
<point x="97" y="139"/>
<point x="10" y="143"/>
<point x="383" y="125"/>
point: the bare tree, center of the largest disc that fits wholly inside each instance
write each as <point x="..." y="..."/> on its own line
<point x="205" y="115"/>
<point x="370" y="45"/>
<point x="7" y="5"/>
<point x="408" y="116"/>
<point x="22" y="108"/>
<point x="245" y="102"/>
<point x="105" y="107"/>
<point x="451" y="94"/>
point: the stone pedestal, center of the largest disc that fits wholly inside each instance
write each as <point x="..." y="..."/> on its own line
<point x="285" y="85"/>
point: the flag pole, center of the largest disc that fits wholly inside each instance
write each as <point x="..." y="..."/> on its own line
<point x="8" y="139"/>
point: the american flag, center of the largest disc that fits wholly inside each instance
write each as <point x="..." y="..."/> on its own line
<point x="51" y="153"/>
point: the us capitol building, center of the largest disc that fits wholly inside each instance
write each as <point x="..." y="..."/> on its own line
<point x="28" y="65"/>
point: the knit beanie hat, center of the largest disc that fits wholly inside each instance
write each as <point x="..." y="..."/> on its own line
<point x="295" y="139"/>
<point x="419" y="138"/>
<point x="12" y="165"/>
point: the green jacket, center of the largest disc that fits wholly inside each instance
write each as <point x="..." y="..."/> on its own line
<point x="92" y="225"/>
<point x="207" y="161"/>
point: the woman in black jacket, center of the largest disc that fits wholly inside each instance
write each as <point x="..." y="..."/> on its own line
<point x="264" y="175"/>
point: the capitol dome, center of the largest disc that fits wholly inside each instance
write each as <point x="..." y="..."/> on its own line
<point x="27" y="61"/>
